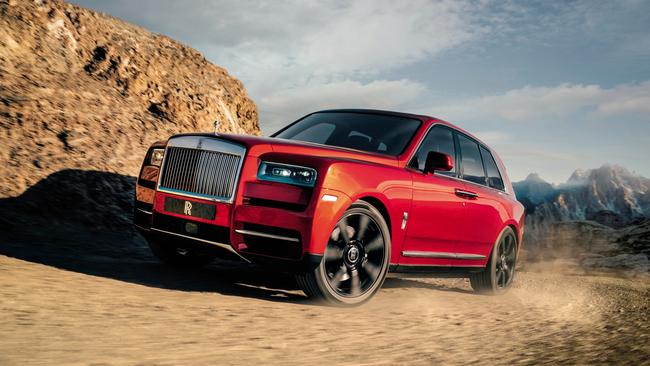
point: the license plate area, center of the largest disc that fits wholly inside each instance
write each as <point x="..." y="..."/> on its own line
<point x="196" y="209"/>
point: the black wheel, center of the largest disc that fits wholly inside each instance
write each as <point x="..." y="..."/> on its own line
<point x="176" y="256"/>
<point x="355" y="261"/>
<point x="497" y="276"/>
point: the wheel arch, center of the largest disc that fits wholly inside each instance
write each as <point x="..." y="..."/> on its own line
<point x="381" y="207"/>
<point x="516" y="230"/>
<point x="500" y="234"/>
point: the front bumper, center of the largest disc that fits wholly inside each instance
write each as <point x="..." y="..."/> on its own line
<point x="272" y="236"/>
<point x="260" y="221"/>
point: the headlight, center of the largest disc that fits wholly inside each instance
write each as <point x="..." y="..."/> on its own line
<point x="284" y="173"/>
<point x="157" y="157"/>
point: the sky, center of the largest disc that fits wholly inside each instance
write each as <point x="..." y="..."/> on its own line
<point x="552" y="86"/>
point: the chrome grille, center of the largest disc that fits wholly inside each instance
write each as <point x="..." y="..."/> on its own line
<point x="204" y="173"/>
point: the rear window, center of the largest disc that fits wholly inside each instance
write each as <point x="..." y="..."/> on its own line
<point x="471" y="162"/>
<point x="494" y="179"/>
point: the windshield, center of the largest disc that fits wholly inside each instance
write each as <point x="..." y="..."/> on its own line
<point x="375" y="133"/>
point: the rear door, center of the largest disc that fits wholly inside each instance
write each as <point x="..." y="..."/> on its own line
<point x="436" y="217"/>
<point x="484" y="215"/>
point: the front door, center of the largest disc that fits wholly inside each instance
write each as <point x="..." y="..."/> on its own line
<point x="434" y="223"/>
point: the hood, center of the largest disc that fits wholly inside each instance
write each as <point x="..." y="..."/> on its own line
<point x="256" y="146"/>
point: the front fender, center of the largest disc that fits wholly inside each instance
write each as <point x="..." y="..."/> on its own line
<point x="380" y="185"/>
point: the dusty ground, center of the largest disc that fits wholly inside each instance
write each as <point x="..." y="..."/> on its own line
<point x="77" y="297"/>
<point x="73" y="295"/>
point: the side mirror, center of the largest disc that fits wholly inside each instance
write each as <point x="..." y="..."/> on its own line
<point x="438" y="161"/>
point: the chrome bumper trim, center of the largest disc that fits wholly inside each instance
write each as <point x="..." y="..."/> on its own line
<point x="141" y="227"/>
<point x="265" y="235"/>
<point x="220" y="245"/>
<point x="143" y="211"/>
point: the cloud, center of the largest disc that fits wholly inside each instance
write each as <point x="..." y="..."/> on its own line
<point x="289" y="104"/>
<point x="296" y="41"/>
<point x="544" y="103"/>
<point x="492" y="137"/>
<point x="296" y="57"/>
<point x="369" y="36"/>
<point x="626" y="99"/>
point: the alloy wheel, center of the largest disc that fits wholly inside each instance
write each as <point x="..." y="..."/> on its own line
<point x="354" y="257"/>
<point x="505" y="261"/>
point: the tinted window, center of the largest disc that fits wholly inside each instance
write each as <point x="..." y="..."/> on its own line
<point x="493" y="175"/>
<point x="318" y="133"/>
<point x="362" y="131"/>
<point x="471" y="160"/>
<point x="440" y="139"/>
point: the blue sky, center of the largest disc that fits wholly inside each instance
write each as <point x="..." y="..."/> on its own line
<point x="552" y="85"/>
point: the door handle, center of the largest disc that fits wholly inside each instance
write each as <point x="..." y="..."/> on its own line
<point x="466" y="194"/>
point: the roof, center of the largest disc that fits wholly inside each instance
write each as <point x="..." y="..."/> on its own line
<point x="378" y="111"/>
<point x="421" y="117"/>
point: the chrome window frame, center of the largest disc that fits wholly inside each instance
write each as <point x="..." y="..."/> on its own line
<point x="458" y="173"/>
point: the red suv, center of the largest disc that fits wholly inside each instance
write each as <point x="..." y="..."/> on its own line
<point x="339" y="198"/>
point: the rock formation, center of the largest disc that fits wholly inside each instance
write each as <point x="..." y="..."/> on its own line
<point x="83" y="90"/>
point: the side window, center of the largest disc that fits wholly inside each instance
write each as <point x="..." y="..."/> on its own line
<point x="440" y="139"/>
<point x="318" y="133"/>
<point x="493" y="176"/>
<point x="471" y="160"/>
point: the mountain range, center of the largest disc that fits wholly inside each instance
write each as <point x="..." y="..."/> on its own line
<point x="610" y="195"/>
<point x="599" y="217"/>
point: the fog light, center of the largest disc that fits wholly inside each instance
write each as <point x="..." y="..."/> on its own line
<point x="157" y="157"/>
<point x="191" y="228"/>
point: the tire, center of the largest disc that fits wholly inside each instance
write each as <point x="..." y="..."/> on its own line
<point x="355" y="261"/>
<point x="499" y="273"/>
<point x="181" y="257"/>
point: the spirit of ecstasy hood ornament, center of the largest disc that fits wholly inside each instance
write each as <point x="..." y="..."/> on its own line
<point x="217" y="124"/>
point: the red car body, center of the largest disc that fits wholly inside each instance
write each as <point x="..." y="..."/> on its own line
<point x="436" y="221"/>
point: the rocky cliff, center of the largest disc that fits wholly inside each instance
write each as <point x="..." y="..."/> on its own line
<point x="82" y="90"/>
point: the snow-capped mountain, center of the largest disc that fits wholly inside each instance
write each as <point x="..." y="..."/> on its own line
<point x="598" y="218"/>
<point x="610" y="195"/>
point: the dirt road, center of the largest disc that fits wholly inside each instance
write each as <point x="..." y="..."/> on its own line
<point x="69" y="297"/>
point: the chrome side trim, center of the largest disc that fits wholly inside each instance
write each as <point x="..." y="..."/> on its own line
<point x="423" y="266"/>
<point x="220" y="245"/>
<point x="265" y="235"/>
<point x="441" y="255"/>
<point x="469" y="256"/>
<point x="420" y="254"/>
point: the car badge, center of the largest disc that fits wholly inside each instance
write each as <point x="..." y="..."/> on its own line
<point x="188" y="208"/>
